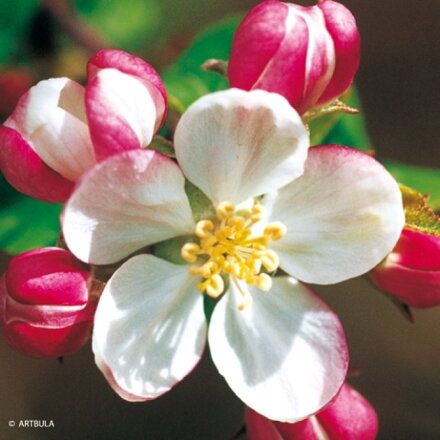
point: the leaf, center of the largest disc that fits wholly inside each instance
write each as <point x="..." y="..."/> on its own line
<point x="27" y="224"/>
<point x="126" y="24"/>
<point x="185" y="80"/>
<point x="15" y="17"/>
<point x="425" y="180"/>
<point x="418" y="215"/>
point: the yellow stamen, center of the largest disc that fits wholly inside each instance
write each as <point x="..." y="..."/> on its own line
<point x="189" y="252"/>
<point x="227" y="247"/>
<point x="203" y="227"/>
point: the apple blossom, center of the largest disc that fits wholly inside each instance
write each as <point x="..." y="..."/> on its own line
<point x="348" y="417"/>
<point x="307" y="54"/>
<point x="325" y="219"/>
<point x="46" y="145"/>
<point x="45" y="306"/>
<point x="411" y="272"/>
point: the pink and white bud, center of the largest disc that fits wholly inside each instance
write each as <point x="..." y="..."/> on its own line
<point x="45" y="144"/>
<point x="349" y="417"/>
<point x="125" y="100"/>
<point x="307" y="54"/>
<point x="411" y="272"/>
<point x="46" y="309"/>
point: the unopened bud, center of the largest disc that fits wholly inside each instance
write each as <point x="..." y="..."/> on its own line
<point x="307" y="54"/>
<point x="350" y="416"/>
<point x="46" y="309"/>
<point x="411" y="272"/>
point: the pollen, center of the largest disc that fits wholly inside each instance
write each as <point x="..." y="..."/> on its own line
<point x="227" y="246"/>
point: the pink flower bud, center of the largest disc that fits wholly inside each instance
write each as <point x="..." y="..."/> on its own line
<point x="349" y="417"/>
<point x="59" y="130"/>
<point x="45" y="306"/>
<point x="411" y="272"/>
<point x="307" y="54"/>
<point x="45" y="144"/>
<point x="126" y="102"/>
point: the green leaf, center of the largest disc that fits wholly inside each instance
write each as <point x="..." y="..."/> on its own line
<point x="424" y="180"/>
<point x="349" y="130"/>
<point x="27" y="224"/>
<point x="418" y="215"/>
<point x="15" y="17"/>
<point x="126" y="24"/>
<point x="185" y="80"/>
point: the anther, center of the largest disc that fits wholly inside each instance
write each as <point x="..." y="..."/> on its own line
<point x="264" y="281"/>
<point x="258" y="213"/>
<point x="275" y="231"/>
<point x="225" y="210"/>
<point x="270" y="260"/>
<point x="203" y="227"/>
<point x="189" y="252"/>
<point x="214" y="286"/>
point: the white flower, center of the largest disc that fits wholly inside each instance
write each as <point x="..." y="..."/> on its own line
<point x="330" y="218"/>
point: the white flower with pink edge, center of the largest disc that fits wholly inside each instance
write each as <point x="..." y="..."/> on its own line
<point x="321" y="215"/>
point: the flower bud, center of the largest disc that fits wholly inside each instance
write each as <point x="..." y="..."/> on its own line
<point x="59" y="130"/>
<point x="46" y="309"/>
<point x="411" y="272"/>
<point x="45" y="144"/>
<point x="126" y="102"/>
<point x="349" y="417"/>
<point x="307" y="54"/>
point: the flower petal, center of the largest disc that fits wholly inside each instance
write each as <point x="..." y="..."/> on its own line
<point x="131" y="65"/>
<point x="126" y="202"/>
<point x="26" y="172"/>
<point x="150" y="329"/>
<point x="343" y="216"/>
<point x="51" y="118"/>
<point x="122" y="111"/>
<point x="284" y="355"/>
<point x="235" y="144"/>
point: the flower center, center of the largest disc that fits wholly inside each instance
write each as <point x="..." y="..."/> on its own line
<point x="228" y="247"/>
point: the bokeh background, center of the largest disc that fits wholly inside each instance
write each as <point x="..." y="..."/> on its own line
<point x="399" y="362"/>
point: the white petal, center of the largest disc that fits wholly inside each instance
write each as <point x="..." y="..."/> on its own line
<point x="54" y="123"/>
<point x="285" y="355"/>
<point x="127" y="202"/>
<point x="235" y="144"/>
<point x="150" y="329"/>
<point x="343" y="216"/>
<point x="122" y="96"/>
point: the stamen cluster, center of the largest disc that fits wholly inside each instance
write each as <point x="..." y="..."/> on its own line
<point x="231" y="248"/>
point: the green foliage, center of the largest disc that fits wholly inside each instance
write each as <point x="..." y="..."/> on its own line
<point x="185" y="80"/>
<point x="126" y="24"/>
<point x="26" y="224"/>
<point x="15" y="18"/>
<point x="424" y="180"/>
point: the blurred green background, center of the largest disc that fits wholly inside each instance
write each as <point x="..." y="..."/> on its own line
<point x="398" y="84"/>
